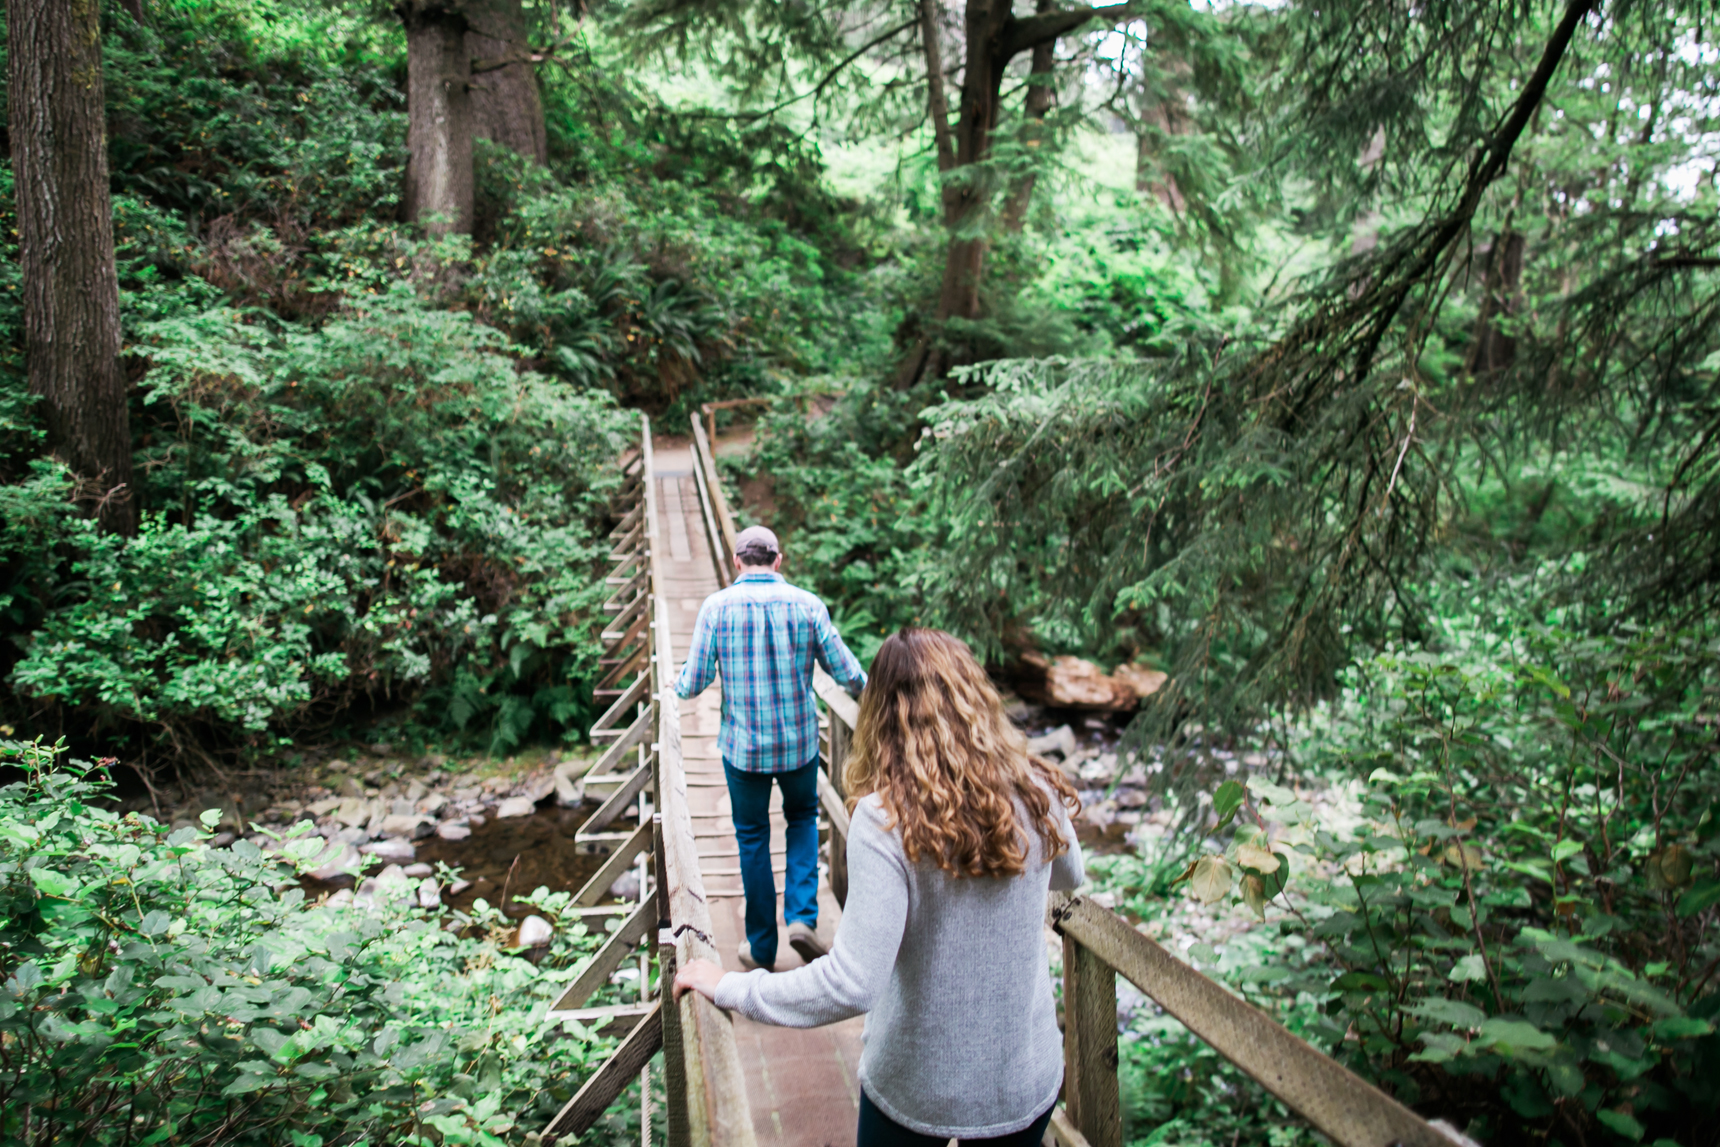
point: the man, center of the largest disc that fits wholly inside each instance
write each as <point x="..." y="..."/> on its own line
<point x="763" y="636"/>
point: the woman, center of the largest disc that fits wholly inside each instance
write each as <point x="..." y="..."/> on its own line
<point x="957" y="835"/>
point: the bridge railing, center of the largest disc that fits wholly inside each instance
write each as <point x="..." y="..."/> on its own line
<point x="1098" y="946"/>
<point x="641" y="729"/>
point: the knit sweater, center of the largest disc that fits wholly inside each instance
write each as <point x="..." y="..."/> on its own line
<point x="961" y="1033"/>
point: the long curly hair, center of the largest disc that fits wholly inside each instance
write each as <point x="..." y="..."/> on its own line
<point x="934" y="743"/>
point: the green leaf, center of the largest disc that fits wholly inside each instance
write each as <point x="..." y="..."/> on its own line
<point x="1470" y="967"/>
<point x="1454" y="1012"/>
<point x="1226" y="799"/>
<point x="1564" y="849"/>
<point x="1619" y="1121"/>
<point x="1705" y="895"/>
<point x="1514" y="1034"/>
<point x="210" y="817"/>
<point x="51" y="883"/>
<point x="1682" y="1027"/>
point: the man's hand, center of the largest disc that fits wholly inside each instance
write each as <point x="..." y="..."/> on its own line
<point x="700" y="975"/>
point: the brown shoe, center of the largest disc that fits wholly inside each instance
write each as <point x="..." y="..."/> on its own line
<point x="803" y="938"/>
<point x="749" y="963"/>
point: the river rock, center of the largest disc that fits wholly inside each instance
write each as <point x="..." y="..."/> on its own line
<point x="323" y="807"/>
<point x="419" y="870"/>
<point x="395" y="850"/>
<point x="433" y="804"/>
<point x="1131" y="798"/>
<point x="626" y="886"/>
<point x="352" y="811"/>
<point x="535" y="932"/>
<point x="397" y="824"/>
<point x="350" y="787"/>
<point x="569" y="793"/>
<point x="429" y="894"/>
<point x="340" y="899"/>
<point x="345" y="860"/>
<point x="1059" y="740"/>
<point x="516" y="806"/>
<point x="448" y="830"/>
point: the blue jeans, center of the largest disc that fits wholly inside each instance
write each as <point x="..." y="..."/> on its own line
<point x="749" y="796"/>
<point x="879" y="1130"/>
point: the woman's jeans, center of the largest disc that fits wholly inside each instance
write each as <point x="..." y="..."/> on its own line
<point x="879" y="1130"/>
<point x="749" y="798"/>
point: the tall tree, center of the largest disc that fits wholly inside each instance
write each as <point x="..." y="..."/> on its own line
<point x="65" y="239"/>
<point x="507" y="108"/>
<point x="439" y="182"/>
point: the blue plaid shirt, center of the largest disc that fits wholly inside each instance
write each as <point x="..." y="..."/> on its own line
<point x="763" y="635"/>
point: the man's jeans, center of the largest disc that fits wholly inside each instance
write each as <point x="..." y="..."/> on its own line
<point x="749" y="796"/>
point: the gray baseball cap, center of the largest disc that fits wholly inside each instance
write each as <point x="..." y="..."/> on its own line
<point x="756" y="545"/>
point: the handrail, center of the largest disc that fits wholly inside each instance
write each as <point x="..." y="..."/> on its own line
<point x="705" y="1087"/>
<point x="1098" y="944"/>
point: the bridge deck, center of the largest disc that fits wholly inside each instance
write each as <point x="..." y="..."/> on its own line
<point x="801" y="1085"/>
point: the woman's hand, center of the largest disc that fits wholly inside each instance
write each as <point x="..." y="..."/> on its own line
<point x="700" y="975"/>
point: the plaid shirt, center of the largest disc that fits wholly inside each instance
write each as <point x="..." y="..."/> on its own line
<point x="763" y="635"/>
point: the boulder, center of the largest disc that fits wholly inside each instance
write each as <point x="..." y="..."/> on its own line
<point x="535" y="932"/>
<point x="516" y="806"/>
<point x="1071" y="683"/>
<point x="1140" y="680"/>
<point x="400" y="851"/>
<point x="448" y="830"/>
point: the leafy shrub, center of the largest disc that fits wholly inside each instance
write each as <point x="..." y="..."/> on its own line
<point x="1515" y="927"/>
<point x="157" y="990"/>
<point x="381" y="507"/>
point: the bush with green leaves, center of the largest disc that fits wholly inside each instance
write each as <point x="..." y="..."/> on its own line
<point x="379" y="508"/>
<point x="1514" y="922"/>
<point x="155" y="990"/>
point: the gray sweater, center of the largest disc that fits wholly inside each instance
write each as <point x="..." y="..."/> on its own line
<point x="961" y="1028"/>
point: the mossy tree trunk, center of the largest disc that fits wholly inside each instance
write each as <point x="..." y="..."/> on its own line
<point x="65" y="240"/>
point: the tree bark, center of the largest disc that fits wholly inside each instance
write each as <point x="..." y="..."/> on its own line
<point x="439" y="117"/>
<point x="507" y="108"/>
<point x="1493" y="350"/>
<point x="65" y="240"/>
<point x="1163" y="118"/>
<point x="1034" y="107"/>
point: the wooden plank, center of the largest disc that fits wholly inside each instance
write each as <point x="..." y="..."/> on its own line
<point x="1348" y="1109"/>
<point x="630" y="542"/>
<point x="635" y="694"/>
<point x="625" y="618"/>
<point x="720" y="560"/>
<point x="618" y="800"/>
<point x="613" y="1021"/>
<point x="837" y="813"/>
<point x="1062" y="1133"/>
<point x="632" y="633"/>
<point x="629" y="520"/>
<point x="841" y="705"/>
<point x="1090" y="1045"/>
<point x="582" y="1111"/>
<point x="619" y="946"/>
<point x="703" y="457"/>
<point x="619" y="749"/>
<point x="635" y="663"/>
<point x="619" y="861"/>
<point x="623" y="596"/>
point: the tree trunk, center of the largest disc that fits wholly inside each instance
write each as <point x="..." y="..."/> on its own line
<point x="1493" y="350"/>
<point x="65" y="241"/>
<point x="506" y="106"/>
<point x="966" y="201"/>
<point x="1163" y="118"/>
<point x="439" y="118"/>
<point x="1034" y="108"/>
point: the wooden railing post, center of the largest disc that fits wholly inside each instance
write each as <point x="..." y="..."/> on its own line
<point x="1090" y="1091"/>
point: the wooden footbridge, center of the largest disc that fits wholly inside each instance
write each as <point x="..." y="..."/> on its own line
<point x="727" y="1081"/>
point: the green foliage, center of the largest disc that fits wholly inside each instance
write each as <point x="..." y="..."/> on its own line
<point x="1512" y="921"/>
<point x="380" y="506"/>
<point x="159" y="990"/>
